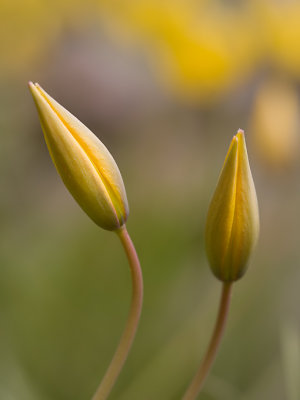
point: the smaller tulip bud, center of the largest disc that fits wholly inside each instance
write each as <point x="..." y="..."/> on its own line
<point x="233" y="222"/>
<point x="83" y="162"/>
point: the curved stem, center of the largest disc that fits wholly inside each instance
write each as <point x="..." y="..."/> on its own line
<point x="197" y="383"/>
<point x="128" y="335"/>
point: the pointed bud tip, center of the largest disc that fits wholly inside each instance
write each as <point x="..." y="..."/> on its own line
<point x="31" y="88"/>
<point x="240" y="134"/>
<point x="32" y="85"/>
<point x="232" y="148"/>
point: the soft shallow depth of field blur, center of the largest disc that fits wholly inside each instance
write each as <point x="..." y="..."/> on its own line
<point x="165" y="86"/>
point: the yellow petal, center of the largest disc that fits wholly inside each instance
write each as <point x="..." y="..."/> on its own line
<point x="232" y="223"/>
<point x="83" y="162"/>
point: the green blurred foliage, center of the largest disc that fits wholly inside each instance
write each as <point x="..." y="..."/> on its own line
<point x="165" y="88"/>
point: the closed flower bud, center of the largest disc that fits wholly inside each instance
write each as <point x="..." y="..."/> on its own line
<point x="83" y="162"/>
<point x="232" y="223"/>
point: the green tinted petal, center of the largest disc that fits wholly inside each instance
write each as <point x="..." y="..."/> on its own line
<point x="232" y="222"/>
<point x="83" y="162"/>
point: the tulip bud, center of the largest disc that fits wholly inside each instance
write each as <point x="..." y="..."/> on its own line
<point x="232" y="223"/>
<point x="83" y="162"/>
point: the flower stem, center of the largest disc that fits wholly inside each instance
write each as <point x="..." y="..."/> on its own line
<point x="197" y="383"/>
<point x="128" y="335"/>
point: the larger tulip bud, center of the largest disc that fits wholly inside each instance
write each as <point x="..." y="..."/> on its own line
<point x="83" y="162"/>
<point x="232" y="223"/>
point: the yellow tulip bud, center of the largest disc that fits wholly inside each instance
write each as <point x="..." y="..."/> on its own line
<point x="232" y="223"/>
<point x="83" y="162"/>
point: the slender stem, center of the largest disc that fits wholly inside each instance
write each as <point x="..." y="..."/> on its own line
<point x="197" y="383"/>
<point x="128" y="335"/>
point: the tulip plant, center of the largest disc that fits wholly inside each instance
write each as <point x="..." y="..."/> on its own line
<point x="232" y="228"/>
<point x="94" y="180"/>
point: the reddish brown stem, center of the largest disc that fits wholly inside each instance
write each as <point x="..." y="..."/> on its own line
<point x="129" y="332"/>
<point x="197" y="383"/>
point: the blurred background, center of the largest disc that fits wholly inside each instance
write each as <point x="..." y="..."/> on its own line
<point x="164" y="85"/>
